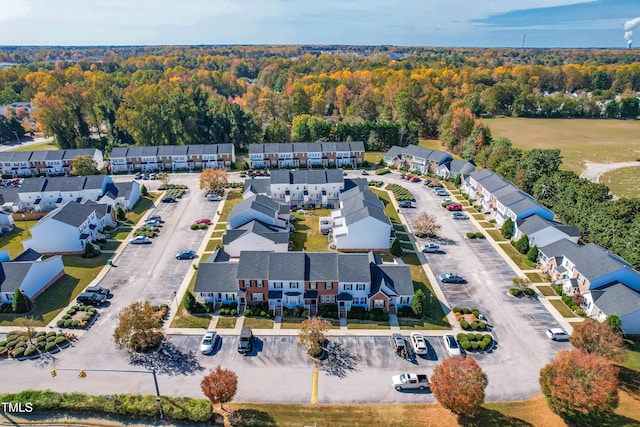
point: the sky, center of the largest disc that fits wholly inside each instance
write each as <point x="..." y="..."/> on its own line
<point x="452" y="23"/>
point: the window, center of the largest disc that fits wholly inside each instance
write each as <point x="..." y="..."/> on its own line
<point x="327" y="299"/>
<point x="379" y="303"/>
<point x="260" y="284"/>
<point x="257" y="297"/>
<point x="404" y="300"/>
<point x="348" y="287"/>
<point x="293" y="285"/>
<point x="313" y="286"/>
<point x="359" y="300"/>
<point x="277" y="285"/>
<point x="328" y="286"/>
<point x="360" y="287"/>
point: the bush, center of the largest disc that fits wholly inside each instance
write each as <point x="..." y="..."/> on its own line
<point x="51" y="334"/>
<point x="515" y="292"/>
<point x="474" y="325"/>
<point x="464" y="324"/>
<point x="529" y="291"/>
<point x="60" y="340"/>
<point x="522" y="244"/>
<point x="508" y="228"/>
<point x="66" y="317"/>
<point x="471" y="235"/>
<point x="466" y="310"/>
<point x="41" y="334"/>
<point x="580" y="312"/>
<point x="67" y="324"/>
<point x="59" y="324"/>
<point x="202" y="226"/>
<point x="462" y="337"/>
<point x="18" y="352"/>
<point x="466" y="345"/>
<point x="30" y="351"/>
<point x="50" y="346"/>
<point x="475" y="312"/>
<point x="71" y="311"/>
<point x="479" y="235"/>
<point x="532" y="254"/>
<point x="74" y="323"/>
<point x="194" y="226"/>
<point x="456" y="309"/>
<point x="482" y="325"/>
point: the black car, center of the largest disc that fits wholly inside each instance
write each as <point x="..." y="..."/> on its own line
<point x="98" y="290"/>
<point x="169" y="199"/>
<point x="90" y="298"/>
<point x="245" y="343"/>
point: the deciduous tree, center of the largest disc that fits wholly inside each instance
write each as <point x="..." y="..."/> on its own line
<point x="313" y="333"/>
<point x="213" y="180"/>
<point x="616" y="324"/>
<point x="84" y="165"/>
<point x="220" y="386"/>
<point x="138" y="328"/>
<point x="20" y="302"/>
<point x="580" y="384"/>
<point x="458" y="383"/>
<point x="593" y="337"/>
<point x="425" y="225"/>
<point x="417" y="305"/>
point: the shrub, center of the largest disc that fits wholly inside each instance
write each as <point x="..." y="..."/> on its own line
<point x="466" y="345"/>
<point x="529" y="291"/>
<point x="508" y="228"/>
<point x="66" y="317"/>
<point x="12" y="343"/>
<point x="471" y="235"/>
<point x="50" y="346"/>
<point x="580" y="312"/>
<point x="482" y="325"/>
<point x="202" y="226"/>
<point x="475" y="312"/>
<point x="456" y="309"/>
<point x="59" y="324"/>
<point x="482" y="345"/>
<point x="515" y="292"/>
<point x="74" y="323"/>
<point x="522" y="244"/>
<point x="474" y="325"/>
<point x="67" y="323"/>
<point x="462" y="337"/>
<point x="71" y="311"/>
<point x="464" y="324"/>
<point x="30" y="351"/>
<point x="51" y="334"/>
<point x="479" y="336"/>
<point x="41" y="334"/>
<point x="86" y="318"/>
<point x="21" y="344"/>
<point x="234" y="312"/>
<point x="194" y="226"/>
<point x="471" y="336"/>
<point x="51" y="339"/>
<point x="60" y="340"/>
<point x="248" y="312"/>
<point x="532" y="254"/>
<point x="479" y="235"/>
<point x="466" y="310"/>
<point x="18" y="352"/>
<point x="474" y="345"/>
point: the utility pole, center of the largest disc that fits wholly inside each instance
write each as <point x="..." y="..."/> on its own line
<point x="524" y="37"/>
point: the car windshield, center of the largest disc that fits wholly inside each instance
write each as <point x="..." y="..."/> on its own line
<point x="452" y="342"/>
<point x="206" y="341"/>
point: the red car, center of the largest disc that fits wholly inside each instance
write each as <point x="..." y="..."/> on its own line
<point x="203" y="221"/>
<point x="454" y="207"/>
<point x="407" y="177"/>
<point x="415" y="179"/>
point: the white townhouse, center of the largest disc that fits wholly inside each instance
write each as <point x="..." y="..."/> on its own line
<point x="172" y="157"/>
<point x="419" y="159"/>
<point x="45" y="162"/>
<point x="124" y="194"/>
<point x="306" y="154"/>
<point x="15" y="163"/>
<point x="261" y="208"/>
<point x="305" y="188"/>
<point x="47" y="193"/>
<point x="542" y="232"/>
<point x="29" y="273"/>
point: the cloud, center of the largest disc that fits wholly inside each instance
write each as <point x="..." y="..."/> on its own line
<point x="13" y="9"/>
<point x="631" y="23"/>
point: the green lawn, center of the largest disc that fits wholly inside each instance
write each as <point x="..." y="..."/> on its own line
<point x="488" y="226"/>
<point x="534" y="277"/>
<point x="220" y="226"/>
<point x="258" y="323"/>
<point x="122" y="233"/>
<point x="516" y="256"/>
<point x="478" y="216"/>
<point x="233" y="197"/>
<point x="79" y="273"/>
<point x="408" y="246"/>
<point x="389" y="210"/>
<point x="183" y="319"/>
<point x="217" y="234"/>
<point x="12" y="241"/>
<point x="435" y="318"/>
<point x="141" y="207"/>
<point x="562" y="308"/>
<point x="109" y="246"/>
<point x="373" y="157"/>
<point x="226" y="322"/>
<point x="579" y="140"/>
<point x="37" y="147"/>
<point x="547" y="291"/>
<point x="623" y="182"/>
<point x="400" y="228"/>
<point x="212" y="245"/>
<point x="307" y="236"/>
<point x="403" y="237"/>
<point x="420" y="325"/>
<point x="204" y="258"/>
<point x="496" y="235"/>
<point x="366" y="324"/>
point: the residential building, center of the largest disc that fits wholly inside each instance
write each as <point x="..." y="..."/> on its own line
<point x="542" y="232"/>
<point x="255" y="235"/>
<point x="125" y="194"/>
<point x="501" y="198"/>
<point x="261" y="208"/>
<point x="360" y="224"/>
<point x="300" y="188"/>
<point x="452" y="168"/>
<point x="305" y="279"/>
<point x="70" y="227"/>
<point x="171" y="157"/>
<point x="45" y="162"/>
<point x="29" y="273"/>
<point x="306" y="154"/>
<point x="426" y="160"/>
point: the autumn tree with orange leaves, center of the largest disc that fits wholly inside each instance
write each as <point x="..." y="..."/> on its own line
<point x="220" y="386"/>
<point x="598" y="338"/>
<point x="458" y="383"/>
<point x="579" y="384"/>
<point x="213" y="180"/>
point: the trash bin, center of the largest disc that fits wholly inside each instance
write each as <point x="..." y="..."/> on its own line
<point x="110" y="261"/>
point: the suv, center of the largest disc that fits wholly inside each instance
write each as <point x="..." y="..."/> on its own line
<point x="245" y="343"/>
<point x="398" y="344"/>
<point x="90" y="298"/>
<point x="98" y="290"/>
<point x="405" y="204"/>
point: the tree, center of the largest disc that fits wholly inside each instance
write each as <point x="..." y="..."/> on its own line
<point x="138" y="328"/>
<point x="84" y="165"/>
<point x="143" y="190"/>
<point x="20" y="302"/>
<point x="396" y="248"/>
<point x="532" y="254"/>
<point x="580" y="384"/>
<point x="593" y="337"/>
<point x="213" y="180"/>
<point x="425" y="225"/>
<point x="313" y="334"/>
<point x="458" y="383"/>
<point x="120" y="213"/>
<point x="277" y="131"/>
<point x="616" y="324"/>
<point x="457" y="181"/>
<point x="522" y="244"/>
<point x="507" y="228"/>
<point x="220" y="386"/>
<point x="417" y="305"/>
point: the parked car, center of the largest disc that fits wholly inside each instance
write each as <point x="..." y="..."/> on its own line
<point x="402" y="176"/>
<point x="410" y="382"/>
<point x="140" y="240"/>
<point x="405" y="204"/>
<point x="203" y="221"/>
<point x="442" y="193"/>
<point x="426" y="182"/>
<point x="557" y="334"/>
<point x="459" y="215"/>
<point x="245" y="343"/>
<point x="447" y="201"/>
<point x="152" y="176"/>
<point x="213" y="198"/>
<point x="90" y="298"/>
<point x="208" y="342"/>
<point x="169" y="199"/>
<point x="152" y="223"/>
<point x="364" y="172"/>
<point x="415" y="179"/>
<point x="186" y="254"/>
<point x="451" y="344"/>
<point x="145" y="176"/>
<point x="418" y="343"/>
<point x="451" y="278"/>
<point x="430" y="248"/>
<point x="138" y="175"/>
<point x="407" y="177"/>
<point x="454" y="207"/>
<point x="398" y="344"/>
<point x="98" y="290"/>
<point x="155" y="218"/>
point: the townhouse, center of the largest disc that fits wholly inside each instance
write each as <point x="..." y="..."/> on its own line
<point x="255" y="235"/>
<point x="501" y="198"/>
<point x="608" y="284"/>
<point x="45" y="162"/>
<point x="261" y="208"/>
<point x="29" y="273"/>
<point x="300" y="188"/>
<point x="69" y="228"/>
<point x="171" y="157"/>
<point x="425" y="160"/>
<point x="306" y="279"/>
<point x="306" y="154"/>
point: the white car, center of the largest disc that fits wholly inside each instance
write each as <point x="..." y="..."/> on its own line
<point x="152" y="223"/>
<point x="418" y="343"/>
<point x="451" y="344"/>
<point x="557" y="334"/>
<point x="430" y="248"/>
<point x="459" y="215"/>
<point x="140" y="240"/>
<point x="214" y="198"/>
<point x="208" y="342"/>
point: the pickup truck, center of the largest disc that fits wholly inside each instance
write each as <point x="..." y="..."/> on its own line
<point x="410" y="382"/>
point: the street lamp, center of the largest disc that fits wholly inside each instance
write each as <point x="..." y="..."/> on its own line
<point x="26" y="229"/>
<point x="17" y="138"/>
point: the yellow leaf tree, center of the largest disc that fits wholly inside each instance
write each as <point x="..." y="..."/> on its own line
<point x="213" y="180"/>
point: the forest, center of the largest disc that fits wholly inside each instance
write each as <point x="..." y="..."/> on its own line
<point x="116" y="96"/>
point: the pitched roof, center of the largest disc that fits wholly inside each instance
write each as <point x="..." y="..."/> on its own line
<point x="94" y="182"/>
<point x="437" y="156"/>
<point x="254" y="265"/>
<point x="257" y="185"/>
<point x="12" y="275"/>
<point x="28" y="255"/>
<point x="535" y="223"/>
<point x="72" y="153"/>
<point x="617" y="298"/>
<point x="321" y="266"/>
<point x="259" y="203"/>
<point x="72" y="213"/>
<point x="393" y="276"/>
<point x="65" y="183"/>
<point x="276" y="235"/>
<point x="353" y="268"/>
<point x="33" y="185"/>
<point x="217" y="277"/>
<point x="172" y="150"/>
<point x="119" y="152"/>
<point x="125" y="188"/>
<point x="359" y="203"/>
<point x="287" y="266"/>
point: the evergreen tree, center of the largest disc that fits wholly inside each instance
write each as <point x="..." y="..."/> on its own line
<point x="20" y="303"/>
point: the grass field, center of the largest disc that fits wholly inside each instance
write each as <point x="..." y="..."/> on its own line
<point x="389" y="210"/>
<point x="547" y="291"/>
<point x="143" y="204"/>
<point x="307" y="236"/>
<point x="373" y="157"/>
<point x="366" y="324"/>
<point x="623" y="182"/>
<point x="435" y="314"/>
<point x="258" y="323"/>
<point x="562" y="308"/>
<point x="37" y="147"/>
<point x="226" y="322"/>
<point x="516" y="256"/>
<point x="233" y="197"/>
<point x="12" y="241"/>
<point x="599" y="141"/>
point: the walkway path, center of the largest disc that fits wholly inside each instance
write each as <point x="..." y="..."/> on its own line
<point x="594" y="171"/>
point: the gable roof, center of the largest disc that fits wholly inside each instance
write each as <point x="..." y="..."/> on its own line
<point x="359" y="203"/>
<point x="71" y="213"/>
<point x="217" y="277"/>
<point x="259" y="203"/>
<point x="28" y="255"/>
<point x="393" y="276"/>
<point x="535" y="223"/>
<point x="616" y="298"/>
<point x="254" y="265"/>
<point x="274" y="234"/>
<point x="12" y="275"/>
<point x="436" y="156"/>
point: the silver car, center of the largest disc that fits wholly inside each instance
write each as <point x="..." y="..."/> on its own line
<point x="208" y="342"/>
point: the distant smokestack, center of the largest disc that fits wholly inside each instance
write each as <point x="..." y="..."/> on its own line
<point x="629" y="44"/>
<point x="628" y="26"/>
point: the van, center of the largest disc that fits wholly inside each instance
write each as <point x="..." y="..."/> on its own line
<point x="405" y="204"/>
<point x="245" y="343"/>
<point x="90" y="298"/>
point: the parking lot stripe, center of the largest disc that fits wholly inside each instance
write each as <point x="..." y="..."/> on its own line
<point x="314" y="387"/>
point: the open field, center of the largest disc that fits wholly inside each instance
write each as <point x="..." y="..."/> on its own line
<point x="307" y="236"/>
<point x="373" y="157"/>
<point x="37" y="147"/>
<point x="12" y="241"/>
<point x="600" y="141"/>
<point x="623" y="182"/>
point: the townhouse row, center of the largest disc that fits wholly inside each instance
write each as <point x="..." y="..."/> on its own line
<point x="306" y="154"/>
<point x="45" y="162"/>
<point x="427" y="161"/>
<point x="305" y="279"/>
<point x="172" y="157"/>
